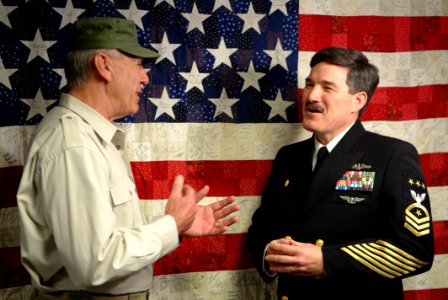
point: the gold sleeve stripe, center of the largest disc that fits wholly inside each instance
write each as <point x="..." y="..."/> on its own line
<point x="365" y="263"/>
<point x="372" y="259"/>
<point x="401" y="252"/>
<point x="386" y="259"/>
<point x="396" y="255"/>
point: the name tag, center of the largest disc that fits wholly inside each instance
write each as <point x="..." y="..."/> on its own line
<point x="356" y="180"/>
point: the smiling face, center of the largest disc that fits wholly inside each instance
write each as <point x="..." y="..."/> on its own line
<point x="328" y="105"/>
<point x="128" y="78"/>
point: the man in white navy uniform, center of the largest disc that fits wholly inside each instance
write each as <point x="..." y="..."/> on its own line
<point x="83" y="235"/>
<point x="346" y="213"/>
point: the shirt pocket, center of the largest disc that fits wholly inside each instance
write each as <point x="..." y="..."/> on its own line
<point x="125" y="204"/>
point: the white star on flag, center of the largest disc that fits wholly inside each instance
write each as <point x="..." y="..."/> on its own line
<point x="170" y="2"/>
<point x="279" y="5"/>
<point x="251" y="19"/>
<point x="38" y="105"/>
<point x="164" y="104"/>
<point x="134" y="13"/>
<point x="222" y="54"/>
<point x="4" y="75"/>
<point x="165" y="49"/>
<point x="219" y="3"/>
<point x="61" y="73"/>
<point x="194" y="78"/>
<point x="223" y="104"/>
<point x="4" y="12"/>
<point x="278" y="56"/>
<point x="278" y="106"/>
<point x="195" y="19"/>
<point x="251" y="77"/>
<point x="38" y="47"/>
<point x="69" y="13"/>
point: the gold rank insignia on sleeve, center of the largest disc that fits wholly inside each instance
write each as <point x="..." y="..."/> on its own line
<point x="384" y="258"/>
<point x="417" y="217"/>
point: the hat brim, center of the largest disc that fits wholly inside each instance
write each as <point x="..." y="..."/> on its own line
<point x="146" y="54"/>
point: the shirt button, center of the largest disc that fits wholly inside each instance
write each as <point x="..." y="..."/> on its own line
<point x="118" y="147"/>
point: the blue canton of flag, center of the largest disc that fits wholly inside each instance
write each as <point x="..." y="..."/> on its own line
<point x="220" y="61"/>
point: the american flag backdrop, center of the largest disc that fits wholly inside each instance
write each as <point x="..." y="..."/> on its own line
<point x="224" y="97"/>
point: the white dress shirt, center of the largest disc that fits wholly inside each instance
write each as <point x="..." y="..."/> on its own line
<point x="80" y="220"/>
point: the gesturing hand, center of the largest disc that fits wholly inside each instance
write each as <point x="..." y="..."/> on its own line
<point x="212" y="219"/>
<point x="198" y="220"/>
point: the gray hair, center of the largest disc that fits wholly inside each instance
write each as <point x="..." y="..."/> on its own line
<point x="78" y="65"/>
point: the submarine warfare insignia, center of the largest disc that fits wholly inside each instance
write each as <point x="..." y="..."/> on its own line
<point x="417" y="218"/>
<point x="360" y="167"/>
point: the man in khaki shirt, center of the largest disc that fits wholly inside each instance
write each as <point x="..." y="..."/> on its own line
<point x="82" y="231"/>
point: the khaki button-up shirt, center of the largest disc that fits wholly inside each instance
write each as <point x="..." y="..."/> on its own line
<point x="80" y="219"/>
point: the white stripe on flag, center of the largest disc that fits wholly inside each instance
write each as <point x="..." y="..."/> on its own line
<point x="397" y="69"/>
<point x="374" y="8"/>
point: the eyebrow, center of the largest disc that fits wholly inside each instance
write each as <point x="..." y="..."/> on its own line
<point x="324" y="82"/>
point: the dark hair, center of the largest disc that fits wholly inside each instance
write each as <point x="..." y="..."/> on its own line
<point x="362" y="75"/>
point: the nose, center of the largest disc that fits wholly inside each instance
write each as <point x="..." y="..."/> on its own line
<point x="312" y="93"/>
<point x="144" y="77"/>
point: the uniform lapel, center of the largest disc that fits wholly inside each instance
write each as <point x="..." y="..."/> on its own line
<point x="343" y="156"/>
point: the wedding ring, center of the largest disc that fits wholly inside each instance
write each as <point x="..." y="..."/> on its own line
<point x="291" y="269"/>
<point x="216" y="224"/>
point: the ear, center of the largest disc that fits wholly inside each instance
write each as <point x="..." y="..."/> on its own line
<point x="359" y="100"/>
<point x="103" y="66"/>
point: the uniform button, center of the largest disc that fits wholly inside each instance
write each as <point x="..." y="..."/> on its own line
<point x="286" y="183"/>
<point x="118" y="147"/>
<point x="284" y="298"/>
<point x="319" y="242"/>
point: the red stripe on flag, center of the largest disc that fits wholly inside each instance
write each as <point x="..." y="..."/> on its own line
<point x="225" y="178"/>
<point x="12" y="273"/>
<point x="405" y="103"/>
<point x="240" y="178"/>
<point x="432" y="294"/>
<point x="441" y="237"/>
<point x="222" y="252"/>
<point x="435" y="168"/>
<point x="215" y="253"/>
<point x="9" y="184"/>
<point x="408" y="103"/>
<point x="377" y="33"/>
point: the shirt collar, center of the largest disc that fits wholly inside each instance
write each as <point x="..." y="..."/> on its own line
<point x="104" y="128"/>
<point x="330" y="146"/>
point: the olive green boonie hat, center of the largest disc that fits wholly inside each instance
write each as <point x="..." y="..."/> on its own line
<point x="108" y="33"/>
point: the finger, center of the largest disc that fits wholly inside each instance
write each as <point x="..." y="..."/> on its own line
<point x="178" y="186"/>
<point x="229" y="221"/>
<point x="222" y="209"/>
<point x="202" y="193"/>
<point x="222" y="203"/>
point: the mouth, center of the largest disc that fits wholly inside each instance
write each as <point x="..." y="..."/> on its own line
<point x="314" y="108"/>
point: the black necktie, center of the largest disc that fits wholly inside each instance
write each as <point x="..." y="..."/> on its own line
<point x="321" y="155"/>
